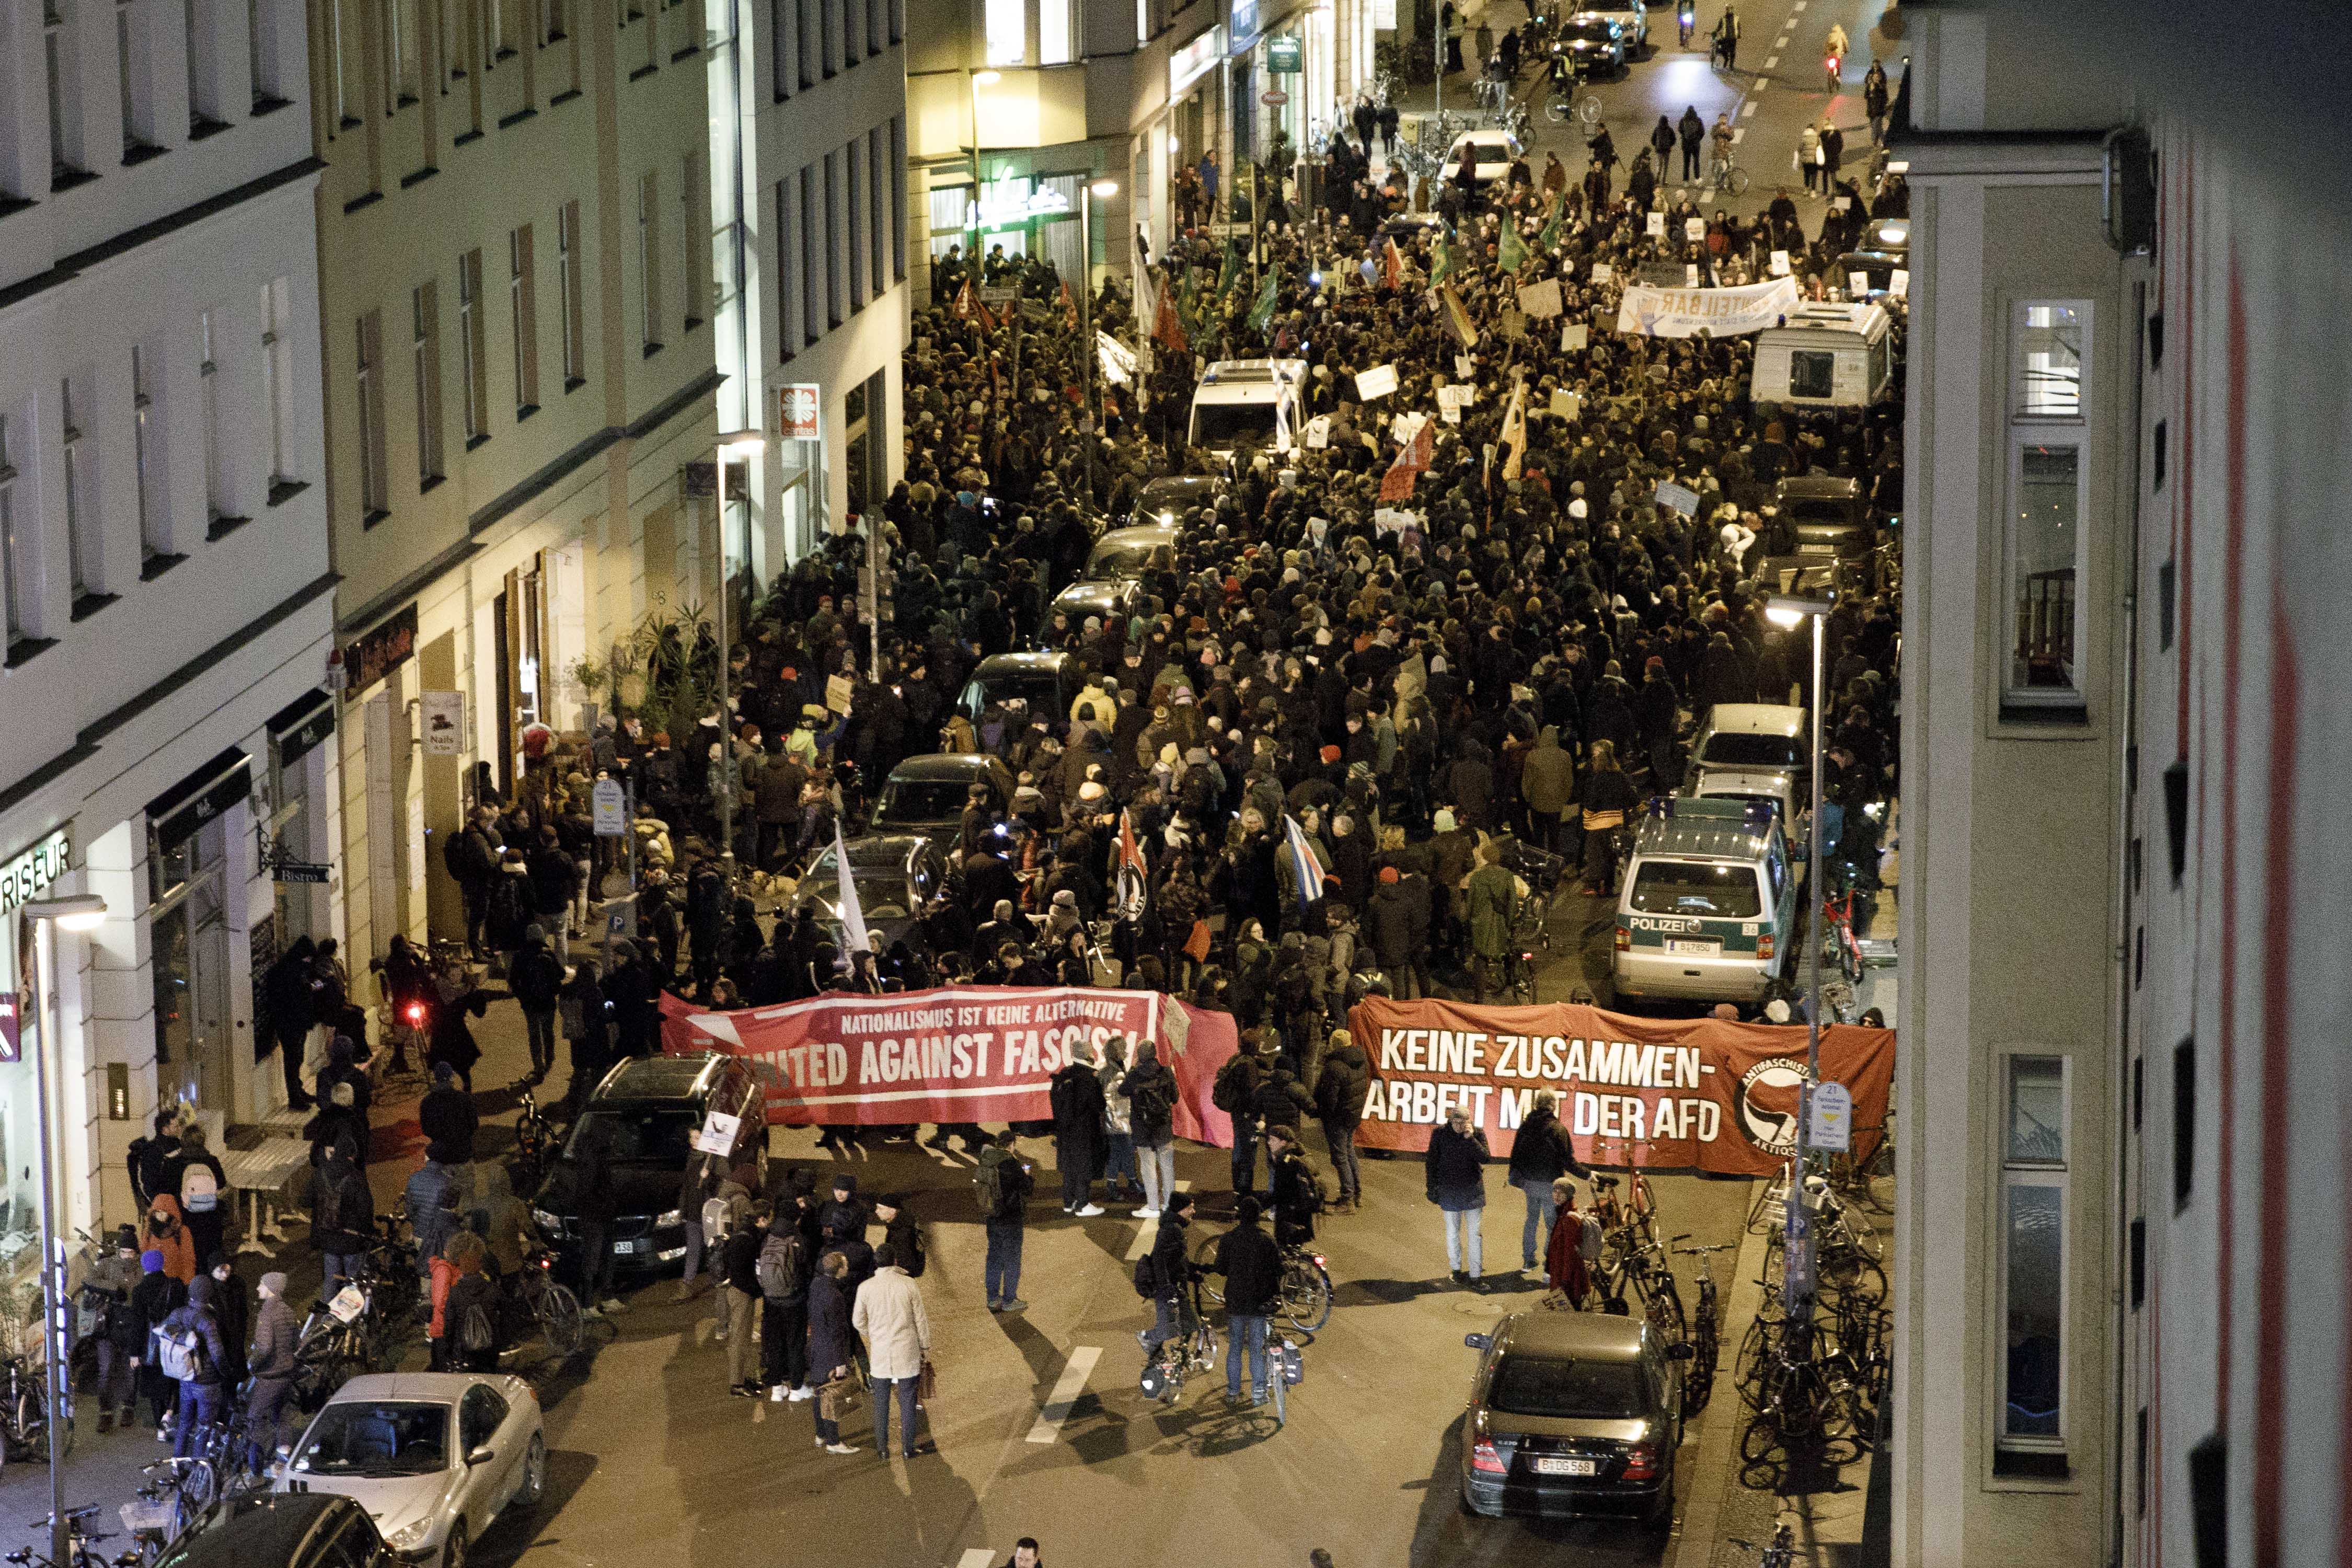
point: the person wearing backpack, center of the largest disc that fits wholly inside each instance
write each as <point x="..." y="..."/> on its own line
<point x="1151" y="1091"/>
<point x="194" y="1176"/>
<point x="1003" y="1181"/>
<point x="1233" y="1088"/>
<point x="432" y="1197"/>
<point x="1340" y="1105"/>
<point x="1168" y="1269"/>
<point x="783" y="1269"/>
<point x="537" y="982"/>
<point x="1541" y="1155"/>
<point x="737" y="1270"/>
<point x="726" y="1210"/>
<point x="901" y="1235"/>
<point x="152" y="1301"/>
<point x="1565" y="1256"/>
<point x="471" y="855"/>
<point x="342" y="1214"/>
<point x="190" y="1351"/>
<point x="470" y="1311"/>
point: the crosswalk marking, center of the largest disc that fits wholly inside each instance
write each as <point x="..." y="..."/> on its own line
<point x="1797" y="7"/>
<point x="1736" y="133"/>
<point x="1747" y="109"/>
<point x="1067" y="1389"/>
<point x="1150" y="1231"/>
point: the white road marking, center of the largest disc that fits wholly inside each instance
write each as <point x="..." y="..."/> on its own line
<point x="1150" y="1234"/>
<point x="1797" y="7"/>
<point x="1747" y="109"/>
<point x="1771" y="60"/>
<point x="1067" y="1389"/>
<point x="1736" y="133"/>
<point x="976" y="1557"/>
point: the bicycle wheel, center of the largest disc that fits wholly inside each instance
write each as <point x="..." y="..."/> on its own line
<point x="1557" y="110"/>
<point x="1737" y="181"/>
<point x="1665" y="1308"/>
<point x="1306" y="1295"/>
<point x="1588" y="109"/>
<point x="558" y="1311"/>
<point x="1281" y="1394"/>
<point x="1749" y="1368"/>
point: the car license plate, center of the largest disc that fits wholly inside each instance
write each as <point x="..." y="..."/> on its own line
<point x="1550" y="1466"/>
<point x="623" y="1248"/>
<point x="1817" y="550"/>
<point x="1695" y="947"/>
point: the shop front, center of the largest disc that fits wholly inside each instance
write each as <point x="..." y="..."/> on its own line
<point x="30" y="873"/>
<point x="189" y="933"/>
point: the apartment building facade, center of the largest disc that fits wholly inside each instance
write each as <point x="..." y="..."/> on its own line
<point x="2124" y="1013"/>
<point x="519" y="280"/>
<point x="168" y="592"/>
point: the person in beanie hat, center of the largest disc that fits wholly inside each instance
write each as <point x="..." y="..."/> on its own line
<point x="155" y="1298"/>
<point x="275" y="1333"/>
<point x="1172" y="1270"/>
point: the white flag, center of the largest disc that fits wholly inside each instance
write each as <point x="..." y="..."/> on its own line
<point x="853" y="917"/>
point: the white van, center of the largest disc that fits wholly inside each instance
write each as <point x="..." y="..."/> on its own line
<point x="1260" y="401"/>
<point x="1753" y="752"/>
<point x="1827" y="356"/>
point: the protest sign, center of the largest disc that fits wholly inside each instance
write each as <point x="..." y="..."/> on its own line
<point x="1376" y="383"/>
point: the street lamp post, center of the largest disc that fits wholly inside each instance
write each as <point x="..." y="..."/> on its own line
<point x="1798" y="1270"/>
<point x="978" y="79"/>
<point x="1105" y="189"/>
<point x="84" y="911"/>
<point x="748" y="443"/>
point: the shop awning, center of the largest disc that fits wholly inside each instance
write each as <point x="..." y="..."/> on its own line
<point x="180" y="812"/>
<point x="301" y="724"/>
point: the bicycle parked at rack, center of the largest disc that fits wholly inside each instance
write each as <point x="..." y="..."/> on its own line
<point x="79" y="1544"/>
<point x="166" y="1506"/>
<point x="1706" y="1326"/>
<point x="25" y="1412"/>
<point x="1645" y="1269"/>
<point x="534" y="1145"/>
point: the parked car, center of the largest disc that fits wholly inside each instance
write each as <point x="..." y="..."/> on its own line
<point x="433" y="1456"/>
<point x="1042" y="679"/>
<point x="1631" y="18"/>
<point x="1753" y="751"/>
<point x="1165" y="501"/>
<point x="925" y="795"/>
<point x="1490" y="151"/>
<point x="899" y="876"/>
<point x="1572" y="1414"/>
<point x="647" y="1109"/>
<point x="275" y="1530"/>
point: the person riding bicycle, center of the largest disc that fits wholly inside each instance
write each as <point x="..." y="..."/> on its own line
<point x="1172" y="1273"/>
<point x="1726" y="37"/>
<point x="1836" y="48"/>
<point x="1297" y="1196"/>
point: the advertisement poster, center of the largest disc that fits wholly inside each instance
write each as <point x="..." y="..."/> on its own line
<point x="976" y="1053"/>
<point x="1675" y="1094"/>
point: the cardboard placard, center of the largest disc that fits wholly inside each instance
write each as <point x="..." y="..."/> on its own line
<point x="1541" y="301"/>
<point x="1695" y="228"/>
<point x="1566" y="405"/>
<point x="1388" y="520"/>
<point x="1376" y="383"/>
<point x="1447" y="409"/>
<point x="1779" y="264"/>
<point x="1690" y="275"/>
<point x="1899" y="283"/>
<point x="1464" y="366"/>
<point x="1318" y="432"/>
<point x="718" y="1135"/>
<point x="1603" y="272"/>
<point x="1682" y="499"/>
<point x="1857" y="284"/>
<point x="1842" y="204"/>
<point x="1657" y="226"/>
<point x="837" y="689"/>
<point x="1574" y="336"/>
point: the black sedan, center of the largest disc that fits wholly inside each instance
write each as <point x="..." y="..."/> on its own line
<point x="1572" y="1414"/>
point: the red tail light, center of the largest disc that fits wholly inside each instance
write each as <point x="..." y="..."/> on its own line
<point x="1318" y="1260"/>
<point x="1485" y="1459"/>
<point x="1641" y="1463"/>
<point x="1624" y="939"/>
<point x="1764" y="947"/>
<point x="417" y="1012"/>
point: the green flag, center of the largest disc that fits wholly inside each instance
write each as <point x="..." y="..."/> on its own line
<point x="1263" y="311"/>
<point x="1229" y="271"/>
<point x="1512" y="253"/>
<point x="1548" y="240"/>
<point x="1441" y="262"/>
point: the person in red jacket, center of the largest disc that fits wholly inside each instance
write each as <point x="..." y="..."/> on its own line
<point x="1564" y="1253"/>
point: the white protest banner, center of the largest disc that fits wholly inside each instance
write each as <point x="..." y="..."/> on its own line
<point x="1779" y="264"/>
<point x="1375" y="382"/>
<point x="717" y="1133"/>
<point x="1388" y="520"/>
<point x="1722" y="313"/>
<point x="1899" y="283"/>
<point x="1694" y="229"/>
<point x="1318" y="432"/>
<point x="1603" y="272"/>
<point x="1681" y="498"/>
<point x="1657" y="226"/>
<point x="1118" y="359"/>
<point x="1541" y="301"/>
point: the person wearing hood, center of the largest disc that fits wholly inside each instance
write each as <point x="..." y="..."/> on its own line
<point x="1541" y="1155"/>
<point x="113" y="1276"/>
<point x="153" y="1299"/>
<point x="1077" y="1096"/>
<point x="190" y="1348"/>
<point x="276" y="1334"/>
<point x="1657" y="715"/>
<point x="1118" y="1168"/>
<point x="166" y="1231"/>
<point x="344" y="1092"/>
<point x="1340" y="1092"/>
<point x="1548" y="784"/>
<point x="843" y="1214"/>
<point x="194" y="1175"/>
<point x="450" y="1124"/>
<point x="342" y="1214"/>
<point x="537" y="982"/>
<point x="286" y="989"/>
<point x="1149" y="1090"/>
<point x="234" y="1308"/>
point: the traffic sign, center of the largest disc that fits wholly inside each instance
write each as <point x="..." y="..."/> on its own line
<point x="1829" y="1111"/>
<point x="610" y="809"/>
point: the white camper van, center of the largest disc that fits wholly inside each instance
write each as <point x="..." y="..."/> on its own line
<point x="1827" y="356"/>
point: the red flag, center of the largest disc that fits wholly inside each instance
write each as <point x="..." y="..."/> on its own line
<point x="1070" y="309"/>
<point x="1411" y="460"/>
<point x="1392" y="264"/>
<point x="1134" y="875"/>
<point x="1167" y="326"/>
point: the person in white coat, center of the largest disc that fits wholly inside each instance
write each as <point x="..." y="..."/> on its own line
<point x="890" y="1318"/>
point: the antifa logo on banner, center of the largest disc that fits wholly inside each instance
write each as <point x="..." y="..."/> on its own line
<point x="1767" y="1100"/>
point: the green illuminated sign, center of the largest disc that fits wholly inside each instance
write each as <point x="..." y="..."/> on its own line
<point x="1282" y="55"/>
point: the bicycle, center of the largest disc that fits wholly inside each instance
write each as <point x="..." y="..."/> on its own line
<point x="1726" y="178"/>
<point x="1840" y="944"/>
<point x="168" y="1504"/>
<point x="552" y="1306"/>
<point x="1285" y="1367"/>
<point x="1304" y="1297"/>
<point x="534" y="1140"/>
<point x="24" y="1412"/>
<point x="1706" y="1326"/>
<point x="1780" y="1553"/>
<point x="1192" y="1349"/>
<point x="79" y="1543"/>
<point x="1563" y="103"/>
<point x="1625" y="1226"/>
<point x="1644" y="1269"/>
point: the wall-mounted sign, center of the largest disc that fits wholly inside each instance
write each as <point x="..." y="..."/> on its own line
<point x="445" y="723"/>
<point x="10" y="1050"/>
<point x="374" y="654"/>
<point x="301" y="725"/>
<point x="799" y="413"/>
<point x="1282" y="55"/>
<point x="180" y="812"/>
<point x="1274" y="98"/>
<point x="1186" y="64"/>
<point x="27" y="874"/>
<point x="306" y="871"/>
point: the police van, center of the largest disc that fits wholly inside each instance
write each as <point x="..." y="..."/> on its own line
<point x="1826" y="355"/>
<point x="1258" y="402"/>
<point x="1708" y="907"/>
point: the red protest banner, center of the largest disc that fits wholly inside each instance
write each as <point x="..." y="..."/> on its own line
<point x="977" y="1053"/>
<point x="1662" y="1093"/>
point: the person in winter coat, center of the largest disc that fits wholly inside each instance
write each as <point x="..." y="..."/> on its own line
<point x="1150" y="1090"/>
<point x="1690" y="131"/>
<point x="1080" y="1123"/>
<point x="235" y="1310"/>
<point x="286" y="989"/>
<point x="200" y="1390"/>
<point x="1564" y="1265"/>
<point x="889" y="1315"/>
<point x="435" y="1201"/>
<point x="121" y="1342"/>
<point x="1541" y="1155"/>
<point x="1397" y="924"/>
<point x="1339" y="1106"/>
<point x="901" y="1234"/>
<point x="342" y="1214"/>
<point x="155" y="1298"/>
<point x="1118" y="1166"/>
<point x="167" y="1233"/>
<point x="537" y="982"/>
<point x="1005" y="1226"/>
<point x="1455" y="1171"/>
<point x="450" y="1124"/>
<point x="275" y="1333"/>
<point x="1494" y="905"/>
<point x="738" y="1269"/>
<point x="343" y="1093"/>
<point x="194" y="1176"/>
<point x="1172" y="1270"/>
<point x="1656" y="713"/>
<point x="829" y="1352"/>
<point x="453" y="1042"/>
<point x="1548" y="783"/>
<point x="472" y="1300"/>
<point x="1252" y="1264"/>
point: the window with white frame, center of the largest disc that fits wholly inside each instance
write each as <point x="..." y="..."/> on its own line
<point x="424" y="357"/>
<point x="82" y="516"/>
<point x="19" y="583"/>
<point x="473" y="355"/>
<point x="2033" y="1253"/>
<point x="375" y="492"/>
<point x="218" y="503"/>
<point x="1056" y="30"/>
<point x="153" y="497"/>
<point x="277" y="379"/>
<point x="569" y="280"/>
<point x="1005" y="24"/>
<point x="2044" y="555"/>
